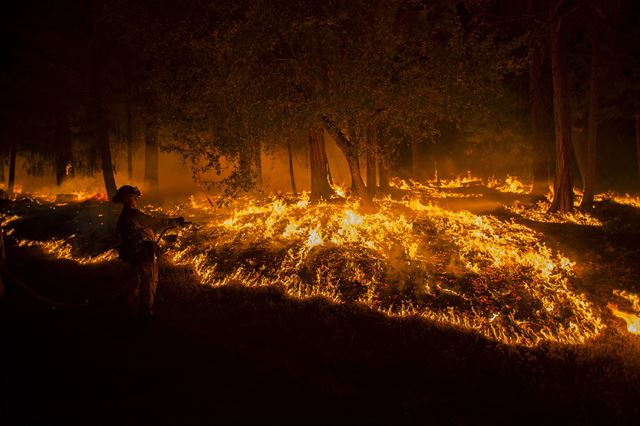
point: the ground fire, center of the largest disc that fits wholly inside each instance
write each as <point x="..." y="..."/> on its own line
<point x="320" y="212"/>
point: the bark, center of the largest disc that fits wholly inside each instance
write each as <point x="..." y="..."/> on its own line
<point x="245" y="165"/>
<point x="64" y="153"/>
<point x="371" y="162"/>
<point x="2" y="160"/>
<point x="637" y="120"/>
<point x="383" y="175"/>
<point x="357" y="184"/>
<point x="350" y="150"/>
<point x="151" y="154"/>
<point x="579" y="144"/>
<point x="258" y="166"/>
<point x="99" y="113"/>
<point x="102" y="138"/>
<point x="589" y="177"/>
<point x="538" y="136"/>
<point x="12" y="170"/>
<point x="563" y="185"/>
<point x="320" y="187"/>
<point x="415" y="160"/>
<point x="291" y="174"/>
<point x="129" y="143"/>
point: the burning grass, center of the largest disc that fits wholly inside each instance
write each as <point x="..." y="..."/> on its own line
<point x="410" y="258"/>
<point x="477" y="272"/>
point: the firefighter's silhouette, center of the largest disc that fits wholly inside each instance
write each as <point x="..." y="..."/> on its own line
<point x="139" y="247"/>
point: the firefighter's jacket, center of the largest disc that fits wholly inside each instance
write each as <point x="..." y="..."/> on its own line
<point x="136" y="228"/>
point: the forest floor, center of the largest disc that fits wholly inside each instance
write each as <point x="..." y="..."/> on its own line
<point x="237" y="354"/>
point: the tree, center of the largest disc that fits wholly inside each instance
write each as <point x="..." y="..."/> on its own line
<point x="151" y="153"/>
<point x="372" y="184"/>
<point x="292" y="176"/>
<point x="563" y="184"/>
<point x="538" y="113"/>
<point x="12" y="170"/>
<point x="320" y="187"/>
<point x="589" y="175"/>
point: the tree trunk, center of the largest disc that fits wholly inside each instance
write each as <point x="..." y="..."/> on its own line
<point x="350" y="151"/>
<point x="102" y="138"/>
<point x="538" y="142"/>
<point x="563" y="185"/>
<point x="383" y="175"/>
<point x="257" y="153"/>
<point x="99" y="114"/>
<point x="291" y="174"/>
<point x="589" y="177"/>
<point x="64" y="153"/>
<point x="2" y="160"/>
<point x="415" y="160"/>
<point x="320" y="187"/>
<point x="357" y="184"/>
<point x="245" y="168"/>
<point x="371" y="162"/>
<point x="12" y="170"/>
<point x="637" y="116"/>
<point x="151" y="153"/>
<point x="129" y="143"/>
<point x="579" y="144"/>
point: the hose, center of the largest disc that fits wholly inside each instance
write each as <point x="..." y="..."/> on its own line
<point x="40" y="296"/>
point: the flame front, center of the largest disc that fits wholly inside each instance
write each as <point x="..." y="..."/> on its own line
<point x="410" y="258"/>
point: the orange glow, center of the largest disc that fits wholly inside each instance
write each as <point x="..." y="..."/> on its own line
<point x="633" y="321"/>
<point x="410" y="258"/>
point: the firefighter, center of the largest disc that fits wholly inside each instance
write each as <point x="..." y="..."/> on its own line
<point x="139" y="247"/>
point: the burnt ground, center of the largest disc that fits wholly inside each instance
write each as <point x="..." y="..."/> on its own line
<point x="252" y="355"/>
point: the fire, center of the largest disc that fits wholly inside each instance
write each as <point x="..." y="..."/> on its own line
<point x="633" y="321"/>
<point x="409" y="258"/>
<point x="61" y="249"/>
<point x="539" y="213"/>
<point x="446" y="189"/>
<point x="629" y="200"/>
<point x="459" y="182"/>
<point x="511" y="184"/>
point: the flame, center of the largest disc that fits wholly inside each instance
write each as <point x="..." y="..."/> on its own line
<point x="539" y="213"/>
<point x="511" y="185"/>
<point x="61" y="249"/>
<point x="325" y="249"/>
<point x="410" y="258"/>
<point x="626" y="199"/>
<point x="633" y="321"/>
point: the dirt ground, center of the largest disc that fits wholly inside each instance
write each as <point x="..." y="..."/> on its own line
<point x="252" y="355"/>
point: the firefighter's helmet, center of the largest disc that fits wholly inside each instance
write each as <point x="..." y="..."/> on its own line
<point x="125" y="191"/>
